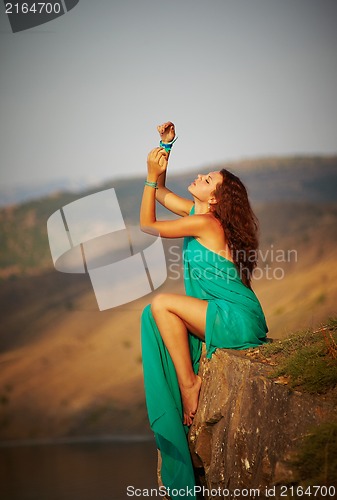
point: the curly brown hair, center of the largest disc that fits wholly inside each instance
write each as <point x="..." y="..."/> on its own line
<point x="239" y="223"/>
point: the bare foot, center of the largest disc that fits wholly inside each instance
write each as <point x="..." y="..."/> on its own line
<point x="190" y="398"/>
<point x="167" y="132"/>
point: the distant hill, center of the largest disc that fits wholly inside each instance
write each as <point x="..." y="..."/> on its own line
<point x="254" y="172"/>
<point x="21" y="192"/>
<point x="296" y="179"/>
<point x="24" y="244"/>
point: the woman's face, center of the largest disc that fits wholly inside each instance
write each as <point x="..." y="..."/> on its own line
<point x="204" y="185"/>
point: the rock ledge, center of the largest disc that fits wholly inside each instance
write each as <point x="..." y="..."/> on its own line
<point x="247" y="425"/>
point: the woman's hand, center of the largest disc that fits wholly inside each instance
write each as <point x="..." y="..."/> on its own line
<point x="156" y="163"/>
<point x="167" y="132"/>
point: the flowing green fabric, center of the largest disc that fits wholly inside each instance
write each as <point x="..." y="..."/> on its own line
<point x="234" y="320"/>
<point x="164" y="406"/>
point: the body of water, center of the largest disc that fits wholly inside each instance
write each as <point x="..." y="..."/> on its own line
<point x="83" y="470"/>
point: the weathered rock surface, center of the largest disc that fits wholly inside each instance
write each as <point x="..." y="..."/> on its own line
<point x="246" y="424"/>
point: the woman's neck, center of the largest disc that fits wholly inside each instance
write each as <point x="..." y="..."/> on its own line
<point x="200" y="207"/>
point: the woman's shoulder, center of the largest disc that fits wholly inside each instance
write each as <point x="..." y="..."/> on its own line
<point x="208" y="221"/>
<point x="213" y="236"/>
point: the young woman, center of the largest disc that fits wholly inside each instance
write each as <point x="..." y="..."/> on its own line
<point x="220" y="308"/>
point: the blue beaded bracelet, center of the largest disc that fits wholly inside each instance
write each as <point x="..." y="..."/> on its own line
<point x="151" y="184"/>
<point x="167" y="145"/>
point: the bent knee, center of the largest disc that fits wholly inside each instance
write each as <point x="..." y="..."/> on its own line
<point x="159" y="303"/>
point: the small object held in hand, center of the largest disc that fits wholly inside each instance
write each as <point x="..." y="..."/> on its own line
<point x="151" y="184"/>
<point x="168" y="145"/>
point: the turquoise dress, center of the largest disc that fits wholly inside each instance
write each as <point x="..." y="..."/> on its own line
<point x="234" y="320"/>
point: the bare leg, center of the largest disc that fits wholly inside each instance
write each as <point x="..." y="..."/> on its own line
<point x="174" y="316"/>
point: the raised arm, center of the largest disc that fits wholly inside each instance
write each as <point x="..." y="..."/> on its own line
<point x="166" y="197"/>
<point x="195" y="225"/>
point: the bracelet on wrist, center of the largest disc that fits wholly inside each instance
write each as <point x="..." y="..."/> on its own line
<point x="151" y="184"/>
<point x="167" y="145"/>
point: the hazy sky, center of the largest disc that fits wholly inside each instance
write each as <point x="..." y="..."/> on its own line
<point x="81" y="95"/>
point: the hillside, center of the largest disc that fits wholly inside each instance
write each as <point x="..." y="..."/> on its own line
<point x="24" y="245"/>
<point x="67" y="368"/>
